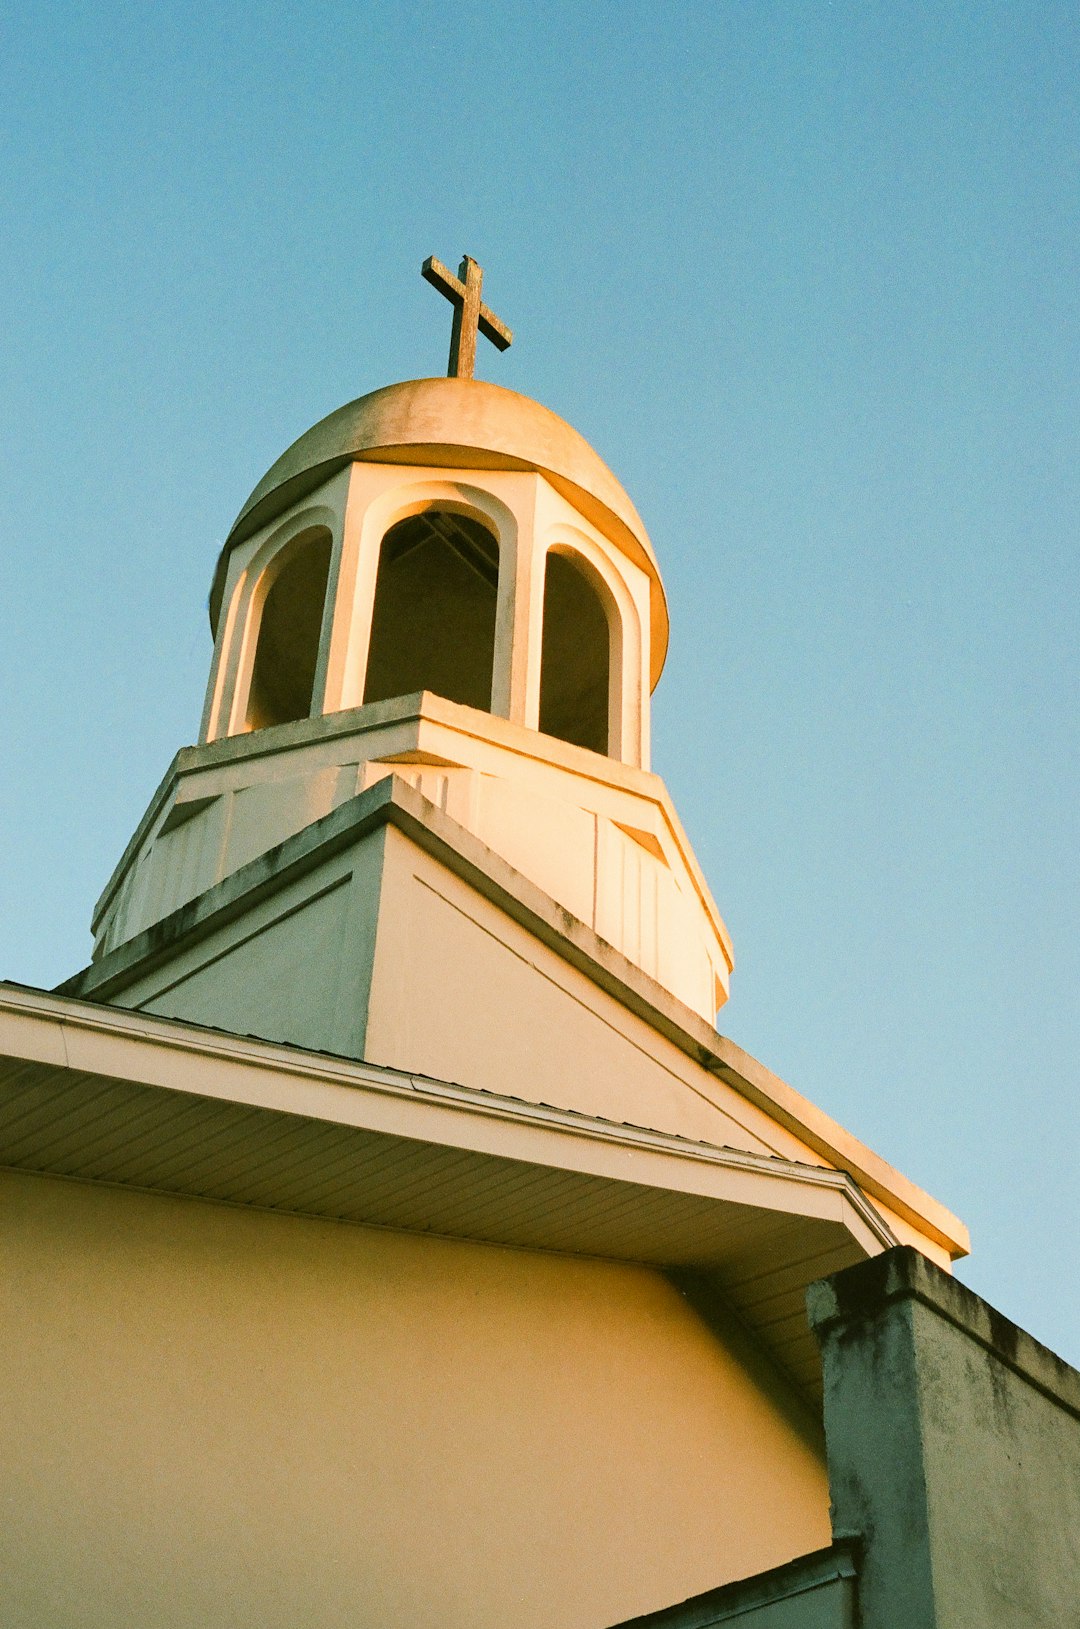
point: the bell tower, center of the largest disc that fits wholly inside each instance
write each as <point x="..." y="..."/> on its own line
<point x="449" y="536"/>
<point x="440" y="590"/>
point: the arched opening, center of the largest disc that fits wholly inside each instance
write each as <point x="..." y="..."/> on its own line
<point x="433" y="621"/>
<point x="283" y="673"/>
<point x="575" y="659"/>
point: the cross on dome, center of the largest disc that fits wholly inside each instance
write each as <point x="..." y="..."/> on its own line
<point x="470" y="315"/>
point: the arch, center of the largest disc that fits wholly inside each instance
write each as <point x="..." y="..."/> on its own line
<point x="252" y="576"/>
<point x="287" y="608"/>
<point x="580" y="655"/>
<point x="434" y="607"/>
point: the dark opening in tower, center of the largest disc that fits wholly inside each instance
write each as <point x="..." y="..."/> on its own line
<point x="575" y="661"/>
<point x="433" y="623"/>
<point x="287" y="653"/>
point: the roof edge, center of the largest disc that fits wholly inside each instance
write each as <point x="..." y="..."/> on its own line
<point x="394" y="801"/>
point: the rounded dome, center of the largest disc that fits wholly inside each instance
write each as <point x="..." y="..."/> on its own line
<point x="457" y="424"/>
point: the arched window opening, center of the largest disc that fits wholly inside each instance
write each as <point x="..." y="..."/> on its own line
<point x="283" y="673"/>
<point x="575" y="659"/>
<point x="433" y="622"/>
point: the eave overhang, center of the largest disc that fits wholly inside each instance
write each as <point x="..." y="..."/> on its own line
<point x="393" y="802"/>
<point x="106" y="1095"/>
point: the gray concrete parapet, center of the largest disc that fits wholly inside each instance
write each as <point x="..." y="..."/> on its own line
<point x="953" y="1442"/>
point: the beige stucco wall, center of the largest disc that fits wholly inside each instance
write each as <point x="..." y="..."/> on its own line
<point x="217" y="1416"/>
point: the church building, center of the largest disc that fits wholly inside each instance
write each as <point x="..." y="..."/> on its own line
<point x="391" y="1238"/>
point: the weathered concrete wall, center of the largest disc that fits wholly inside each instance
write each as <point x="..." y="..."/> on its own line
<point x="218" y="1416"/>
<point x="954" y="1452"/>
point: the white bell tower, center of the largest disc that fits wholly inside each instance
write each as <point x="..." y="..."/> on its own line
<point x="440" y="586"/>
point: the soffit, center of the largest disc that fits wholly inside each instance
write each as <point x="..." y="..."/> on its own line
<point x="122" y="1098"/>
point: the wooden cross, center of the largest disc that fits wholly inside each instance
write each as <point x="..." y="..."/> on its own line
<point x="463" y="292"/>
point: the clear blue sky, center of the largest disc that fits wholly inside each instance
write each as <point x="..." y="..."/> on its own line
<point x="806" y="275"/>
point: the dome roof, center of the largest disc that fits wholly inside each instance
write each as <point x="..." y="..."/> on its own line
<point x="460" y="424"/>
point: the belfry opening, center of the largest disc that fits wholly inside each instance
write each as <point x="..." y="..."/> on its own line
<point x="575" y="660"/>
<point x="433" y="621"/>
<point x="290" y="628"/>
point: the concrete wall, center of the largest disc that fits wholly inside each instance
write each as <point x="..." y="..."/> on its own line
<point x="218" y="1416"/>
<point x="954" y="1452"/>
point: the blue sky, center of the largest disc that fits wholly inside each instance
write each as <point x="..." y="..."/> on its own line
<point x="806" y="276"/>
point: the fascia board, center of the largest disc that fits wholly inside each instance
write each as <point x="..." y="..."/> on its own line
<point x="80" y="1039"/>
<point x="826" y="1570"/>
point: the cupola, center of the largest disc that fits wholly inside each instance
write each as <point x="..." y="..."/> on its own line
<point x="443" y="582"/>
<point x="444" y="535"/>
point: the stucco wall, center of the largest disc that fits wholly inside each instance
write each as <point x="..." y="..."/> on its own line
<point x="217" y="1416"/>
<point x="954" y="1452"/>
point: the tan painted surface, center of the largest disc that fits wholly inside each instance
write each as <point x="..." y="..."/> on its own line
<point x="127" y="1098"/>
<point x="285" y="970"/>
<point x="462" y="992"/>
<point x="648" y="1059"/>
<point x="383" y="953"/>
<point x="217" y="1416"/>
